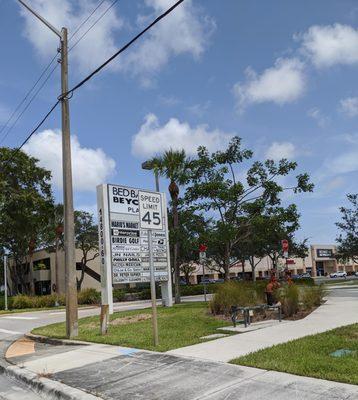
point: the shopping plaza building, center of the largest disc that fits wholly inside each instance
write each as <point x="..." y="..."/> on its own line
<point x="41" y="269"/>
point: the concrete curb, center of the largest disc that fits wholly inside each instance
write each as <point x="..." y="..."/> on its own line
<point x="50" y="389"/>
<point x="55" y="342"/>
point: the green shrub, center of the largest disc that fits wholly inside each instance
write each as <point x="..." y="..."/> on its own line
<point x="146" y="295"/>
<point x="236" y="293"/>
<point x="288" y="295"/>
<point x="89" y="296"/>
<point x="119" y="295"/>
<point x="22" y="301"/>
<point x="311" y="297"/>
<point x="304" y="281"/>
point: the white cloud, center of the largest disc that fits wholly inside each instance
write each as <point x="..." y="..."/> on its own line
<point x="90" y="167"/>
<point x="331" y="44"/>
<point x="94" y="48"/>
<point x="345" y="163"/>
<point x="316" y="114"/>
<point x="279" y="150"/>
<point x="153" y="138"/>
<point x="349" y="106"/>
<point x="185" y="31"/>
<point x="282" y="83"/>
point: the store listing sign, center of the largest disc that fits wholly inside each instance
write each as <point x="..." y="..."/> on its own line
<point x="127" y="253"/>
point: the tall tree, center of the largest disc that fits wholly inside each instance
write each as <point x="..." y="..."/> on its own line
<point x="188" y="235"/>
<point x="25" y="206"/>
<point x="348" y="239"/>
<point x="54" y="239"/>
<point x="215" y="187"/>
<point x="173" y="166"/>
<point x="86" y="239"/>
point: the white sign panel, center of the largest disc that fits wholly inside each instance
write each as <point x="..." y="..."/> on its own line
<point x="126" y="240"/>
<point x="150" y="210"/>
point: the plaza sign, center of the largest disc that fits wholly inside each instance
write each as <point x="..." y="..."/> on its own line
<point x="123" y="236"/>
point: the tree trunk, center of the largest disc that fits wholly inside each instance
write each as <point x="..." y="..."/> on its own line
<point x="57" y="264"/>
<point x="253" y="267"/>
<point x="80" y="281"/>
<point x="174" y="193"/>
<point x="31" y="276"/>
<point x="243" y="268"/>
<point x="227" y="263"/>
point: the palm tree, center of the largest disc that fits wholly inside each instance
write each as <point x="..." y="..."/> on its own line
<point x="173" y="165"/>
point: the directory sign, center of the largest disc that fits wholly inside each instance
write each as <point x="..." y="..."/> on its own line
<point x="127" y="253"/>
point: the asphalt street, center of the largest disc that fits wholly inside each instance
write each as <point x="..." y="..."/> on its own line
<point x="11" y="389"/>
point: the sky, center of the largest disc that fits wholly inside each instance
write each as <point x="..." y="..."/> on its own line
<point x="281" y="74"/>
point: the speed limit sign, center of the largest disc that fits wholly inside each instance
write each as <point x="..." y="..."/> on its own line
<point x="150" y="210"/>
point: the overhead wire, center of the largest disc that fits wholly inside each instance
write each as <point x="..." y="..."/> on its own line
<point x="10" y="128"/>
<point x="121" y="50"/>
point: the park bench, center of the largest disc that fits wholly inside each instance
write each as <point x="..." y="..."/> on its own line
<point x="246" y="312"/>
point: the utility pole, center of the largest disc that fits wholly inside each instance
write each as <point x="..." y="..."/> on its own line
<point x="70" y="256"/>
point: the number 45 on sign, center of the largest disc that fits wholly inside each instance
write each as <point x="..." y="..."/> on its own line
<point x="150" y="210"/>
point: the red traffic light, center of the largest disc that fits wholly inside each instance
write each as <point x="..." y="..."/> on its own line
<point x="202" y="248"/>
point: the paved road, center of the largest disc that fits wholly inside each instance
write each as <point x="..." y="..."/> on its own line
<point x="14" y="390"/>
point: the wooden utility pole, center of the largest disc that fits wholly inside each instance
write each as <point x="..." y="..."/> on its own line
<point x="69" y="231"/>
<point x="70" y="256"/>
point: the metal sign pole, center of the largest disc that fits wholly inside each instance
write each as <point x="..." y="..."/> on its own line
<point x="152" y="290"/>
<point x="204" y="282"/>
<point x="5" y="281"/>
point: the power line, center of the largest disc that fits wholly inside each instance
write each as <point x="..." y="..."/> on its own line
<point x="83" y="22"/>
<point x="28" y="104"/>
<point x="71" y="91"/>
<point x="95" y="22"/>
<point x="27" y="95"/>
<point x="121" y="50"/>
<point x="6" y="125"/>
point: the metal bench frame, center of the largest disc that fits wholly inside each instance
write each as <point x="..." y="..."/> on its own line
<point x="246" y="311"/>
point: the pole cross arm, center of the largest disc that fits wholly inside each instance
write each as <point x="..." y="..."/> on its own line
<point x="42" y="19"/>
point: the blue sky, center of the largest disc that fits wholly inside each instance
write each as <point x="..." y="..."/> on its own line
<point x="280" y="74"/>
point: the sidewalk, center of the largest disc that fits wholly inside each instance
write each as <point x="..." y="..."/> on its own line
<point x="77" y="370"/>
<point x="93" y="371"/>
<point x="337" y="311"/>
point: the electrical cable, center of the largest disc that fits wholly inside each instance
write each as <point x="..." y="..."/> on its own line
<point x="83" y="22"/>
<point x="121" y="50"/>
<point x="6" y="125"/>
<point x="71" y="91"/>
<point x="95" y="23"/>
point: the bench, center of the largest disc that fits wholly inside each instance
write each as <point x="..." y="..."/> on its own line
<point x="246" y="312"/>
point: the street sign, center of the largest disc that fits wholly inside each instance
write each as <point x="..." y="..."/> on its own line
<point x="284" y="244"/>
<point x="123" y="243"/>
<point x="150" y="210"/>
<point x="151" y="218"/>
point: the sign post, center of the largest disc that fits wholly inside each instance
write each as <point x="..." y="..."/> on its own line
<point x="151" y="218"/>
<point x="5" y="281"/>
<point x="202" y="259"/>
<point x="284" y="244"/>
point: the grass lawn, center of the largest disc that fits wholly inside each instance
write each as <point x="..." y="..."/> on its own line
<point x="310" y="356"/>
<point x="180" y="325"/>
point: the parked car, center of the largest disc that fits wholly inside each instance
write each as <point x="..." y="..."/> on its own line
<point x="305" y="275"/>
<point x="356" y="273"/>
<point x="338" y="274"/>
<point x="207" y="280"/>
<point x="220" y="280"/>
